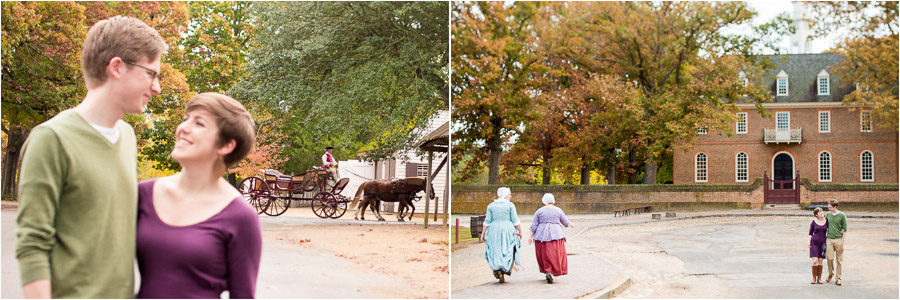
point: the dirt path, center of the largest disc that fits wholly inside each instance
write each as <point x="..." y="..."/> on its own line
<point x="415" y="257"/>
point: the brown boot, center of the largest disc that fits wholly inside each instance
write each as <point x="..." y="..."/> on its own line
<point x="819" y="275"/>
<point x="814" y="271"/>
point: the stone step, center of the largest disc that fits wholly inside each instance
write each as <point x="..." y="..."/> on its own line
<point x="781" y="206"/>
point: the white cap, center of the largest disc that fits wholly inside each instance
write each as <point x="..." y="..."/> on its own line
<point x="548" y="198"/>
<point x="503" y="192"/>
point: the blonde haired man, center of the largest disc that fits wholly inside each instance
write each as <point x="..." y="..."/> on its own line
<point x="78" y="183"/>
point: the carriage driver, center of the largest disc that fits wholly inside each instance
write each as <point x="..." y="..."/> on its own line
<point x="330" y="164"/>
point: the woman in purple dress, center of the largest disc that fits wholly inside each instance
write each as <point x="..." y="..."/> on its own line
<point x="549" y="239"/>
<point x="817" y="229"/>
<point x="196" y="237"/>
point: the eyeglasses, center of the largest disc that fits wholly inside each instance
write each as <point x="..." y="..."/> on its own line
<point x="153" y="74"/>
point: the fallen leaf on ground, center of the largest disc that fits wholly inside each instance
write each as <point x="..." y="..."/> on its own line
<point x="423" y="241"/>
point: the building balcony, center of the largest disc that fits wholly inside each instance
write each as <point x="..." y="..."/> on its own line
<point x="792" y="135"/>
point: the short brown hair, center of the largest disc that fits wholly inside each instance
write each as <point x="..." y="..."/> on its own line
<point x="125" y="37"/>
<point x="817" y="211"/>
<point x="833" y="202"/>
<point x="234" y="123"/>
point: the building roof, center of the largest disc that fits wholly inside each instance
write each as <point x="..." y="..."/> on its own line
<point x="802" y="71"/>
<point x="438" y="140"/>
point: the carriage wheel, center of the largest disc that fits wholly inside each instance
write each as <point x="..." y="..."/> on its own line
<point x="320" y="205"/>
<point x="340" y="207"/>
<point x="276" y="206"/>
<point x="256" y="193"/>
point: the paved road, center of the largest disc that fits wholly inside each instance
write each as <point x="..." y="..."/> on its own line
<point x="284" y="272"/>
<point x="753" y="257"/>
<point x="589" y="274"/>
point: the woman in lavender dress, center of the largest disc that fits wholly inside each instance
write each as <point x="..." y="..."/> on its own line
<point x="196" y="237"/>
<point x="817" y="230"/>
<point x="549" y="238"/>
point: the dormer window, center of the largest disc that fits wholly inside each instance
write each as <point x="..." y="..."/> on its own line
<point x="822" y="83"/>
<point x="743" y="78"/>
<point x="782" y="84"/>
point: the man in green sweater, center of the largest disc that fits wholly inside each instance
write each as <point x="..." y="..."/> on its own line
<point x="78" y="182"/>
<point x="834" y="243"/>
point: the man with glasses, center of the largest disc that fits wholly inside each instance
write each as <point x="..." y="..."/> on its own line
<point x="78" y="182"/>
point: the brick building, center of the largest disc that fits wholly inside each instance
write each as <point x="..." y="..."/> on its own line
<point x="808" y="131"/>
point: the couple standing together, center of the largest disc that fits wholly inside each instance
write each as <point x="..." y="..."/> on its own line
<point x="826" y="240"/>
<point x="502" y="236"/>
<point x="83" y="217"/>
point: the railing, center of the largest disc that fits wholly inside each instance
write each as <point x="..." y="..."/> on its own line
<point x="793" y="135"/>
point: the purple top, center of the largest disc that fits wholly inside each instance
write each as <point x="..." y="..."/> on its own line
<point x="200" y="260"/>
<point x="546" y="224"/>
<point x="818" y="231"/>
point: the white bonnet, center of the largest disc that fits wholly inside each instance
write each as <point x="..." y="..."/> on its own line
<point x="548" y="198"/>
<point x="503" y="192"/>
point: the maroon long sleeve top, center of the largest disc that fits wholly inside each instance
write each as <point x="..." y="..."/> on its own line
<point x="200" y="260"/>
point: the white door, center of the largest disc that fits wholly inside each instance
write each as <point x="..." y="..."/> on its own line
<point x="782" y="125"/>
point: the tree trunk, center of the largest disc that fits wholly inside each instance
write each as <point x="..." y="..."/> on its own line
<point x="632" y="160"/>
<point x="651" y="167"/>
<point x="585" y="171"/>
<point x="611" y="170"/>
<point x="494" y="161"/>
<point x="14" y="141"/>
<point x="546" y="174"/>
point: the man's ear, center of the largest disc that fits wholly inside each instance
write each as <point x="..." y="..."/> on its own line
<point x="116" y="67"/>
<point x="226" y="147"/>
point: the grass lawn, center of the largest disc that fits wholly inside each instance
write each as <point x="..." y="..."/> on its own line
<point x="464" y="235"/>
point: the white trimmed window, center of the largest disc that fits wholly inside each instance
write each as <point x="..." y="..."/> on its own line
<point x="741" y="165"/>
<point x="782" y="120"/>
<point x="824" y="166"/>
<point x="743" y="78"/>
<point x="741" y="126"/>
<point x="422" y="170"/>
<point x="867" y="166"/>
<point x="822" y="83"/>
<point x="700" y="164"/>
<point x="865" y="121"/>
<point x="824" y="121"/>
<point x="781" y="84"/>
<point x="702" y="130"/>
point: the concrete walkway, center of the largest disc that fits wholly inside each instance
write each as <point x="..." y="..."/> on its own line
<point x="592" y="276"/>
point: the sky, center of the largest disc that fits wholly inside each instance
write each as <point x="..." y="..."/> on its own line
<point x="767" y="10"/>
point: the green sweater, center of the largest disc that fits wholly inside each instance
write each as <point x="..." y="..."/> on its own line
<point x="836" y="223"/>
<point x="78" y="209"/>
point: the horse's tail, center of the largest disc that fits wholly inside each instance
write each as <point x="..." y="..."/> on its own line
<point x="356" y="198"/>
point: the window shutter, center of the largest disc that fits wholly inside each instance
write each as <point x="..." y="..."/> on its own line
<point x="411" y="169"/>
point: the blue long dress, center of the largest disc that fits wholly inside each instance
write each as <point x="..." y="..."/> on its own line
<point x="501" y="244"/>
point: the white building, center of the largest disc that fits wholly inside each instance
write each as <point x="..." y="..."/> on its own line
<point x="415" y="166"/>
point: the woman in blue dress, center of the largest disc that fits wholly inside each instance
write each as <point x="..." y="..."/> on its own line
<point x="501" y="235"/>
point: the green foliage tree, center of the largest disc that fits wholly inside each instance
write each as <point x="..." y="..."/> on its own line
<point x="348" y="74"/>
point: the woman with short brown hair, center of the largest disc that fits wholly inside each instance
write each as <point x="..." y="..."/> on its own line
<point x="196" y="237"/>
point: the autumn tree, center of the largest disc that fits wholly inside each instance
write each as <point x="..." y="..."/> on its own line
<point x="347" y="74"/>
<point x="871" y="50"/>
<point x="493" y="57"/>
<point x="679" y="56"/>
<point x="210" y="54"/>
<point x="41" y="62"/>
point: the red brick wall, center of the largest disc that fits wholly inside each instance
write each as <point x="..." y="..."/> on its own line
<point x="845" y="142"/>
<point x="603" y="199"/>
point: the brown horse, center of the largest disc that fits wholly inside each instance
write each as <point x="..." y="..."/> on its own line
<point x="398" y="190"/>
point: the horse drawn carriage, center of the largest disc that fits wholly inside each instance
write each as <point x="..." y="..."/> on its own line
<point x="271" y="192"/>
